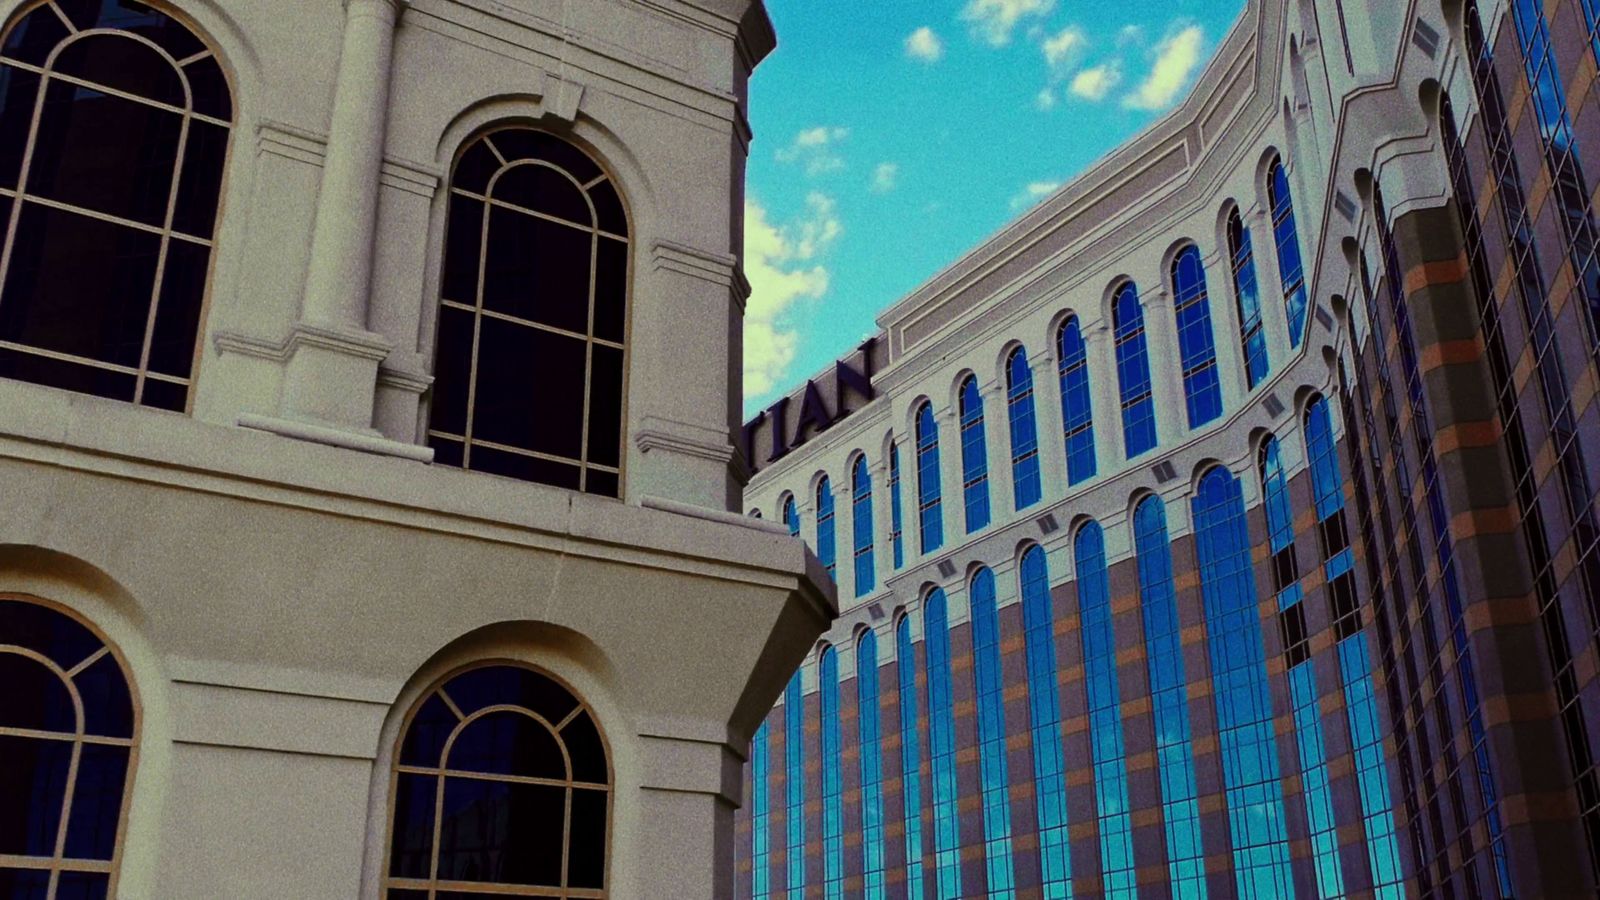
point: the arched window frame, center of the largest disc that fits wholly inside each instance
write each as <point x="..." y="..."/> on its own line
<point x="861" y="526"/>
<point x="1291" y="262"/>
<point x="1197" y="349"/>
<point x="95" y="739"/>
<point x="869" y="735"/>
<point x="989" y="696"/>
<point x="830" y="755"/>
<point x="910" y="752"/>
<point x="974" y="455"/>
<point x="791" y="515"/>
<point x="1247" y="300"/>
<point x="942" y="744"/>
<point x="437" y="710"/>
<point x="1044" y="712"/>
<point x="1027" y="486"/>
<point x="930" y="514"/>
<point x="1077" y="413"/>
<point x="827" y="540"/>
<point x="1139" y="432"/>
<point x="897" y="530"/>
<point x="495" y="302"/>
<point x="153" y="360"/>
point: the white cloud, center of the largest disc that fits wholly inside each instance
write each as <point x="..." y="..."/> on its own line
<point x="1130" y="34"/>
<point x="1064" y="47"/>
<point x="923" y="44"/>
<point x="1095" y="83"/>
<point x="781" y="262"/>
<point x="1033" y="193"/>
<point x="1175" y="60"/>
<point x="816" y="148"/>
<point x="885" y="177"/>
<point x="1045" y="99"/>
<point x="994" y="20"/>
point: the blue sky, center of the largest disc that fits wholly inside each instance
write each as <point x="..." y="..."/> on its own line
<point x="894" y="135"/>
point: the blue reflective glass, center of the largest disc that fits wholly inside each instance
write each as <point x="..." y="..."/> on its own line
<point x="1314" y="780"/>
<point x="1326" y="484"/>
<point x="827" y="551"/>
<point x="1372" y="770"/>
<point x="1275" y="487"/>
<point x="1133" y="372"/>
<point x="832" y="800"/>
<point x="1105" y="714"/>
<point x="1169" y="700"/>
<point x="1025" y="483"/>
<point x="897" y="532"/>
<point x="930" y="516"/>
<point x="1591" y="18"/>
<point x="1044" y="714"/>
<point x="974" y="457"/>
<point x="942" y="746"/>
<point x="794" y="736"/>
<point x="791" y="516"/>
<point x="1286" y="234"/>
<point x="1240" y="687"/>
<point x="1197" y="349"/>
<point x="992" y="768"/>
<point x="910" y="754"/>
<point x="1077" y="417"/>
<point x="861" y="526"/>
<point x="1247" y="294"/>
<point x="871" y="743"/>
<point x="760" y="816"/>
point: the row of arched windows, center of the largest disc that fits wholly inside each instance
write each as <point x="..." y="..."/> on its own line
<point x="501" y="779"/>
<point x="115" y="124"/>
<point x="1246" y="729"/>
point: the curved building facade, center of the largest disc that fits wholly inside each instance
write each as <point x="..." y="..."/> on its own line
<point x="1224" y="526"/>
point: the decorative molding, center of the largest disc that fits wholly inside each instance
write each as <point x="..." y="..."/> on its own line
<point x="721" y="269"/>
<point x="680" y="508"/>
<point x="248" y="345"/>
<point x="562" y="97"/>
<point x="360" y="344"/>
<point x="290" y="142"/>
<point x="647" y="440"/>
<point x="410" y="382"/>
<point x="368" y="441"/>
<point x="411" y="177"/>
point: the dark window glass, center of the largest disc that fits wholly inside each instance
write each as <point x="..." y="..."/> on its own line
<point x="831" y="764"/>
<point x="1196" y="347"/>
<point x="19" y="90"/>
<point x="827" y="548"/>
<point x="942" y="746"/>
<point x="1097" y="633"/>
<point x="1044" y="714"/>
<point x="974" y="456"/>
<point x="993" y="770"/>
<point x="1133" y="372"/>
<point x="1286" y="236"/>
<point x="930" y="516"/>
<point x="870" y="731"/>
<point x="1247" y="294"/>
<point x="538" y="339"/>
<point x="791" y="516"/>
<point x="34" y="35"/>
<point x="1026" y="486"/>
<point x="897" y="536"/>
<point x="861" y="526"/>
<point x="1077" y="417"/>
<point x="910" y="753"/>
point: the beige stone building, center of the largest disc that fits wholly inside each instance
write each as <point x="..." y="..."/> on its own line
<point x="368" y="374"/>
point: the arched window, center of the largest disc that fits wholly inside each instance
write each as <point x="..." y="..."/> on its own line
<point x="1133" y="372"/>
<point x="533" y="315"/>
<point x="871" y="744"/>
<point x="861" y="525"/>
<point x="794" y="784"/>
<point x="69" y="729"/>
<point x="1169" y="699"/>
<point x="974" y="456"/>
<point x="942" y="745"/>
<point x="1024" y="430"/>
<point x="1097" y="631"/>
<point x="1247" y="295"/>
<point x="989" y="684"/>
<point x="1077" y="416"/>
<point x="897" y="529"/>
<point x="930" y="516"/>
<point x="832" y="797"/>
<point x="502" y="778"/>
<point x="826" y="548"/>
<point x="1197" y="348"/>
<point x="1286" y="234"/>
<point x="910" y="752"/>
<point x="1044" y="713"/>
<point x="114" y="126"/>
<point x="760" y="814"/>
<point x="1253" y="791"/>
<point x="791" y="515"/>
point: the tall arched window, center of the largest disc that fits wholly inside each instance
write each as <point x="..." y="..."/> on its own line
<point x="1097" y="631"/>
<point x="989" y="684"/>
<point x="760" y="815"/>
<point x="533" y="315"/>
<point x="69" y="730"/>
<point x="1044" y="713"/>
<point x="826" y="547"/>
<point x="1197" y="349"/>
<point x="930" y="516"/>
<point x="114" y="126"/>
<point x="861" y="526"/>
<point x="1286" y="235"/>
<point x="942" y="746"/>
<point x="502" y="778"/>
<point x="832" y="792"/>
<point x="1169" y="699"/>
<point x="1247" y="296"/>
<point x="1024" y="430"/>
<point x="897" y="528"/>
<point x="1077" y="416"/>
<point x="1243" y="701"/>
<point x="794" y="784"/>
<point x="1133" y="371"/>
<point x="871" y="744"/>
<point x="910" y="752"/>
<point x="791" y="515"/>
<point x="974" y="456"/>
